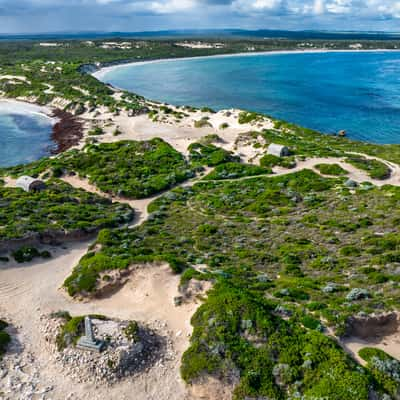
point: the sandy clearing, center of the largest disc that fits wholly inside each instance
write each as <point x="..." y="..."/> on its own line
<point x="390" y="344"/>
<point x="30" y="290"/>
<point x="179" y="134"/>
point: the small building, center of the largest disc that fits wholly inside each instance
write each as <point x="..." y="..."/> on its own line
<point x="30" y="184"/>
<point x="278" y="150"/>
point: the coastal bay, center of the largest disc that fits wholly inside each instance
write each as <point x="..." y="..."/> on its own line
<point x="324" y="90"/>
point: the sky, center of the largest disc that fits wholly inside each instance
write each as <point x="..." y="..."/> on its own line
<point x="34" y="16"/>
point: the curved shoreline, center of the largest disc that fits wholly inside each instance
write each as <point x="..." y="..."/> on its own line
<point x="11" y="106"/>
<point x="66" y="129"/>
<point x="101" y="72"/>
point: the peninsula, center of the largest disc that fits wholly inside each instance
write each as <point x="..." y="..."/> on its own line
<point x="170" y="252"/>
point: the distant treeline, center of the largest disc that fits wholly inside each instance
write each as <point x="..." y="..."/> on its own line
<point x="84" y="52"/>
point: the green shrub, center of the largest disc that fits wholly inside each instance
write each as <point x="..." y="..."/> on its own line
<point x="384" y="368"/>
<point x="246" y="117"/>
<point x="60" y="208"/>
<point x="202" y="123"/>
<point x="270" y="161"/>
<point x="375" y="169"/>
<point x="25" y="254"/>
<point x="132" y="331"/>
<point x="331" y="169"/>
<point x="210" y="155"/>
<point x="5" y="339"/>
<point x="234" y="170"/>
<point x="96" y="131"/>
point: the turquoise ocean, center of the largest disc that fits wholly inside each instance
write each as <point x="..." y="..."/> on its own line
<point x="355" y="91"/>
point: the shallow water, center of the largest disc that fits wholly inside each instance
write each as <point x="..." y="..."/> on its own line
<point x="23" y="137"/>
<point x="358" y="92"/>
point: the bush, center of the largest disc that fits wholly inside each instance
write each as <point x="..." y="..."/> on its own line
<point x="236" y="170"/>
<point x="25" y="254"/>
<point x="132" y="331"/>
<point x="202" y="123"/>
<point x="331" y="169"/>
<point x="375" y="169"/>
<point x="270" y="161"/>
<point x="5" y="339"/>
<point x="246" y="117"/>
<point x="210" y="155"/>
<point x="96" y="131"/>
<point x="384" y="368"/>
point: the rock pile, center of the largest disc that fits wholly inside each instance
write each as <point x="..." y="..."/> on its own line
<point x="123" y="356"/>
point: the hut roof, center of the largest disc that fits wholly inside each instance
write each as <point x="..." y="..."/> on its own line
<point x="28" y="183"/>
<point x="277" y="149"/>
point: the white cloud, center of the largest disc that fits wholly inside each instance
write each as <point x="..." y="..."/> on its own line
<point x="123" y="14"/>
<point x="319" y="7"/>
<point x="339" y="6"/>
<point x="172" y="6"/>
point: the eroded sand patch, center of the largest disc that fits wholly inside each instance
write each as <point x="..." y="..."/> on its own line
<point x="380" y="332"/>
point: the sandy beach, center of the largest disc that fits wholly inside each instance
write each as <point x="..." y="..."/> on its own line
<point x="8" y="106"/>
<point x="103" y="71"/>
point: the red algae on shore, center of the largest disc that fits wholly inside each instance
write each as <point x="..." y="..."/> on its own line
<point x="67" y="132"/>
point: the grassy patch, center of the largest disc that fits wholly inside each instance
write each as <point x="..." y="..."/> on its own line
<point x="331" y="169"/>
<point x="384" y="368"/>
<point x="130" y="169"/>
<point x="246" y="117"/>
<point x="58" y="209"/>
<point x="236" y="170"/>
<point x="374" y="168"/>
<point x="210" y="155"/>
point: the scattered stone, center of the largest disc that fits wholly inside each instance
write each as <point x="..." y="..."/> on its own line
<point x="123" y="355"/>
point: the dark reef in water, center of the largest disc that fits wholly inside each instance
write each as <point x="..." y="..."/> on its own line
<point x="67" y="132"/>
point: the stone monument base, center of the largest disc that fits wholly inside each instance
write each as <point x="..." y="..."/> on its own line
<point x="85" y="344"/>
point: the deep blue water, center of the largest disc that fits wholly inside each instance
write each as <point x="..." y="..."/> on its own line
<point x="23" y="138"/>
<point x="358" y="92"/>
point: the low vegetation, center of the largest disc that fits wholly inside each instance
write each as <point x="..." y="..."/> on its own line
<point x="235" y="170"/>
<point x="60" y="209"/>
<point x="130" y="169"/>
<point x="375" y="169"/>
<point x="384" y="368"/>
<point x="246" y="117"/>
<point x="288" y="256"/>
<point x="28" y="253"/>
<point x="287" y="239"/>
<point x="239" y="329"/>
<point x="210" y="155"/>
<point x="331" y="169"/>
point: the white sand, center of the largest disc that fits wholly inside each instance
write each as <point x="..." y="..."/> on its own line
<point x="102" y="72"/>
<point x="23" y="108"/>
<point x="390" y="344"/>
